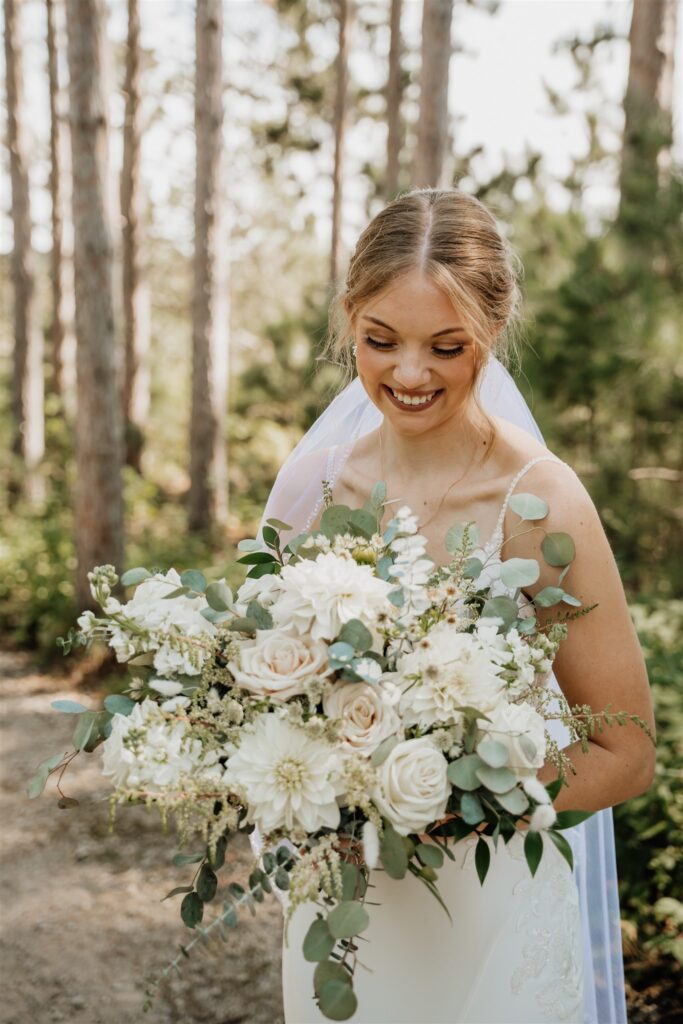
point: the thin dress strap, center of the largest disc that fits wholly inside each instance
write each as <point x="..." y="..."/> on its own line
<point x="330" y="476"/>
<point x="497" y="536"/>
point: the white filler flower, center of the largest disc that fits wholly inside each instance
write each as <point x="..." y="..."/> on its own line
<point x="455" y="671"/>
<point x="277" y="665"/>
<point x="319" y="596"/>
<point x="414" y="787"/>
<point x="146" y="750"/>
<point x="289" y="779"/>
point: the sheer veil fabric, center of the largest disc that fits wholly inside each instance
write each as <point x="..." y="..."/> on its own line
<point x="295" y="498"/>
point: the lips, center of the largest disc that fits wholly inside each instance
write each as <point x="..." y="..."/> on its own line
<point x="412" y="408"/>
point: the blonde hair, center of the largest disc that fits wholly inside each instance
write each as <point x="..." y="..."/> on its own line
<point x="450" y="236"/>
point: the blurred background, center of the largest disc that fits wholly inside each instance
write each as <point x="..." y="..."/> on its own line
<point x="183" y="183"/>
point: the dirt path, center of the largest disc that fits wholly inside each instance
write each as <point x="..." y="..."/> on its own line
<point x="82" y="921"/>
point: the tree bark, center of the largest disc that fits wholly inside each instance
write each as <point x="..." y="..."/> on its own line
<point x="28" y="441"/>
<point x="432" y="135"/>
<point x="99" y="433"/>
<point x="136" y="386"/>
<point x="208" y="499"/>
<point x="346" y="15"/>
<point x="394" y="96"/>
<point x="648" y="121"/>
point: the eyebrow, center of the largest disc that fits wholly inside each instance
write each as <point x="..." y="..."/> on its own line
<point x="446" y="330"/>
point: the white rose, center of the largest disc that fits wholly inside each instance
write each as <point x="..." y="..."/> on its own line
<point x="367" y="717"/>
<point x="414" y="787"/>
<point x="277" y="665"/>
<point x="521" y="729"/>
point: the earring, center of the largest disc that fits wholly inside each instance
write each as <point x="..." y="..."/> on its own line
<point x="354" y="349"/>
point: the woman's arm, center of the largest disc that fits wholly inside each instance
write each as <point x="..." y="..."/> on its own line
<point x="601" y="661"/>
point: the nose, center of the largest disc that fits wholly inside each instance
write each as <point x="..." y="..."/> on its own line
<point x="410" y="371"/>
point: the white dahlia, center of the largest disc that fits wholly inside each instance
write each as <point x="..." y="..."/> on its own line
<point x="289" y="779"/>
<point x="319" y="596"/>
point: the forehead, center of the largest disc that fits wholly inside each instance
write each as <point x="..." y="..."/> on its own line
<point x="413" y="302"/>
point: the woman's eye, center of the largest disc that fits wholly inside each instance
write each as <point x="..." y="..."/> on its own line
<point x="446" y="353"/>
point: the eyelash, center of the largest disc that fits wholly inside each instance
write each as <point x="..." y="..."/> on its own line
<point x="444" y="353"/>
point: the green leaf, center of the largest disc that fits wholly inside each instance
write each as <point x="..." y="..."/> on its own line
<point x="65" y="802"/>
<point x="260" y="615"/>
<point x="40" y="776"/>
<point x="335" y="520"/>
<point x="454" y="537"/>
<point x="558" y="549"/>
<point x="119" y="704"/>
<point x="269" y="862"/>
<point x="282" y="879"/>
<point x="462" y="773"/>
<point x="337" y="1000"/>
<point x="498" y="780"/>
<point x="270" y="537"/>
<point x="392" y="851"/>
<point x="533" y="850"/>
<point x="326" y="971"/>
<point x="278" y="524"/>
<point x="132" y="577"/>
<point x="318" y="941"/>
<point x="563" y="846"/>
<point x="548" y="596"/>
<point x="229" y="915"/>
<point x="515" y="801"/>
<point x="504" y="608"/>
<point x="257" y="558"/>
<point x="219" y="596"/>
<point x="68" y="707"/>
<point x="495" y="754"/>
<point x="218" y="859"/>
<point x="354" y="632"/>
<point x="84" y="728"/>
<point x="191" y="910"/>
<point x="567" y="819"/>
<point x="362" y="523"/>
<point x="430" y="855"/>
<point x="381" y="753"/>
<point x="569" y="599"/>
<point x="528" y="506"/>
<point x="248" y="544"/>
<point x="472" y="568"/>
<point x="519" y="572"/>
<point x="176" y="892"/>
<point x="378" y="495"/>
<point x="242" y="625"/>
<point x="206" y="884"/>
<point x="482" y="859"/>
<point x="269" y="569"/>
<point x="553" y="788"/>
<point x="347" y="919"/>
<point x="470" y="808"/>
<point x="178" y="592"/>
<point x="193" y="579"/>
<point x="341" y="652"/>
<point x="181" y="859"/>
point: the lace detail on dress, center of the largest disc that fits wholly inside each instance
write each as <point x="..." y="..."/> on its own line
<point x="550" y="933"/>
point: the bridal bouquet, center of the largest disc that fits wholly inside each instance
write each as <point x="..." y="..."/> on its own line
<point x="359" y="705"/>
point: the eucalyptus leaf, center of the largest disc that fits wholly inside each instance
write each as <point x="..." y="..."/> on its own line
<point x="176" y="892"/>
<point x="206" y="884"/>
<point x="326" y="971"/>
<point x="454" y="536"/>
<point x="573" y="601"/>
<point x="341" y="652"/>
<point x="180" y="859"/>
<point x="381" y="753"/>
<point x="498" y="780"/>
<point x="354" y="632"/>
<point x="83" y="730"/>
<point x="68" y="707"/>
<point x="260" y="615"/>
<point x="504" y="608"/>
<point x="430" y="855"/>
<point x="353" y="883"/>
<point x="472" y="568"/>
<point x="558" y="549"/>
<point x="193" y="579"/>
<point x="462" y="773"/>
<point x="495" y="754"/>
<point x="397" y="597"/>
<point x="528" y="506"/>
<point x="348" y="918"/>
<point x="335" y="520"/>
<point x="132" y="577"/>
<point x="337" y="1000"/>
<point x="248" y="544"/>
<point x="65" y="802"/>
<point x="218" y="859"/>
<point x="219" y="596"/>
<point x="470" y="808"/>
<point x="519" y="572"/>
<point x="119" y="704"/>
<point x="243" y="625"/>
<point x="392" y="852"/>
<point x="278" y="524"/>
<point x="528" y="746"/>
<point x="515" y="801"/>
<point x="549" y="596"/>
<point x="177" y="592"/>
<point x="318" y="941"/>
<point x="191" y="910"/>
<point x="383" y="567"/>
<point x="362" y="523"/>
<point x="533" y="850"/>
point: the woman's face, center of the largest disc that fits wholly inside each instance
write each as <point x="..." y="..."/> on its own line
<point x="417" y="364"/>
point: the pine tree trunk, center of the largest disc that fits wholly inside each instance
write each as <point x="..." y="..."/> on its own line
<point x="99" y="433"/>
<point x="432" y="135"/>
<point x="28" y="442"/>
<point x="207" y="499"/>
<point x="345" y="15"/>
<point x="136" y="385"/>
<point x="648" y="124"/>
<point x="394" y="96"/>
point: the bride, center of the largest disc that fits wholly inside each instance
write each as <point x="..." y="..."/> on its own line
<point x="430" y="296"/>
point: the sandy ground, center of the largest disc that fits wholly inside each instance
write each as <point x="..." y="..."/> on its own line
<point x="82" y="921"/>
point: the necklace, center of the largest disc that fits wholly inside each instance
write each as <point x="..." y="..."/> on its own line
<point x="426" y="522"/>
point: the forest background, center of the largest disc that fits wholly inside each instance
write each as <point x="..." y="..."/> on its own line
<point x="180" y="203"/>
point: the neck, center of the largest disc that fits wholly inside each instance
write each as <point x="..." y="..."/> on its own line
<point x="445" y="451"/>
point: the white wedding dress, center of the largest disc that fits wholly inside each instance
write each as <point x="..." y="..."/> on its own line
<point x="520" y="949"/>
<point x="513" y="952"/>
